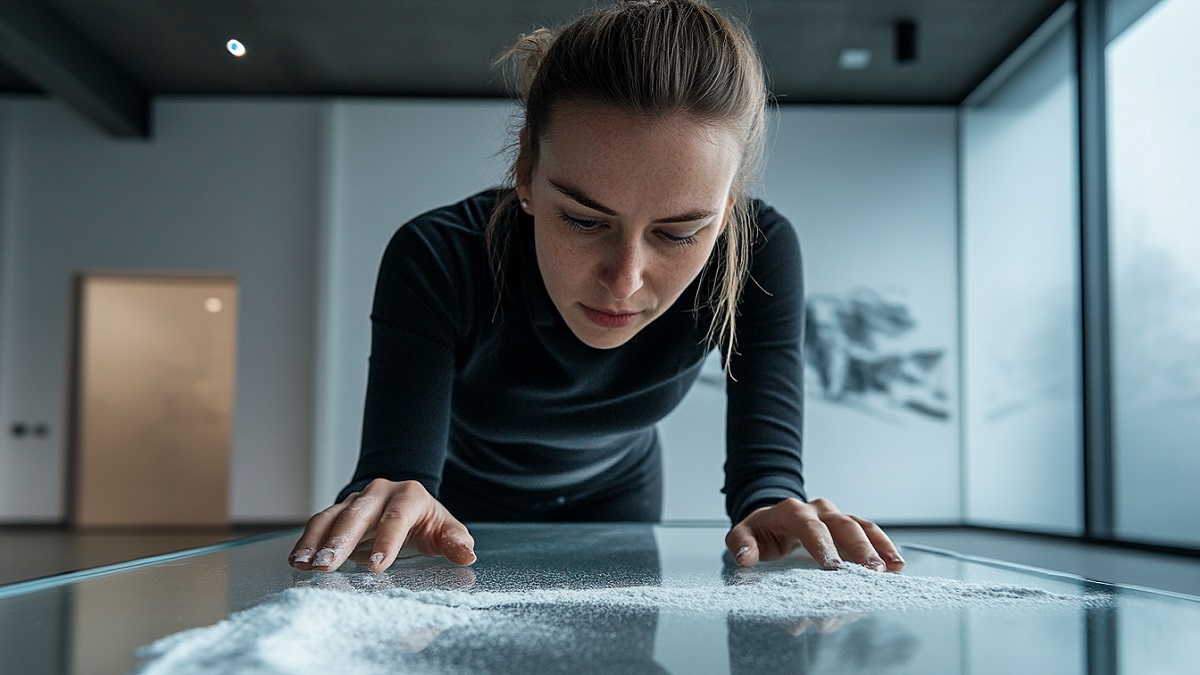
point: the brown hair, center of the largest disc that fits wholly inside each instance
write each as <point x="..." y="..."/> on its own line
<point x="652" y="59"/>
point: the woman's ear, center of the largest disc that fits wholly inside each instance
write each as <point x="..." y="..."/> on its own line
<point x="524" y="168"/>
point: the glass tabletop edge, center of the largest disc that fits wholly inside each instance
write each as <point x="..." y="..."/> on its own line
<point x="64" y="578"/>
<point x="1004" y="564"/>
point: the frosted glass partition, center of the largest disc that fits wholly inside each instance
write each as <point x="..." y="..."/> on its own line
<point x="1153" y="171"/>
<point x="1021" y="291"/>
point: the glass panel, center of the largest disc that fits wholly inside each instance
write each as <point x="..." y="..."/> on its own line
<point x="1153" y="171"/>
<point x="540" y="577"/>
<point x="1021" y="290"/>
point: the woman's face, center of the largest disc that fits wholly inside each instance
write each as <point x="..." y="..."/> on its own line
<point x="626" y="213"/>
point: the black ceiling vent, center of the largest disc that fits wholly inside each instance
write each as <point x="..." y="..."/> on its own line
<point x="906" y="41"/>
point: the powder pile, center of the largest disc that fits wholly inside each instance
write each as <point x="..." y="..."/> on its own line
<point x="368" y="625"/>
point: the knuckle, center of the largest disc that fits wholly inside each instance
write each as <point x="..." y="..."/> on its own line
<point x="868" y="525"/>
<point x="392" y="514"/>
<point x="363" y="504"/>
<point x="814" y="524"/>
<point x="838" y="519"/>
<point x="795" y="507"/>
<point x="410" y="489"/>
<point x="377" y="484"/>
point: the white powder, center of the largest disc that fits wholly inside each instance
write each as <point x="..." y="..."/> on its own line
<point x="367" y="626"/>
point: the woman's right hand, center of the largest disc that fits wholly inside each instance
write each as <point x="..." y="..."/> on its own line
<point x="402" y="516"/>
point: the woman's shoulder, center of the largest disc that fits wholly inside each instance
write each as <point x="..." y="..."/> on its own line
<point x="774" y="236"/>
<point x="439" y="260"/>
<point x="451" y="235"/>
<point x="461" y="223"/>
<point x="767" y="218"/>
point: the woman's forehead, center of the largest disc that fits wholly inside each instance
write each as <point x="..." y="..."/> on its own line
<point x="573" y="119"/>
<point x="614" y="156"/>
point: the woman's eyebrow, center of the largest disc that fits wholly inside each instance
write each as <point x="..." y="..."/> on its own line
<point x="581" y="198"/>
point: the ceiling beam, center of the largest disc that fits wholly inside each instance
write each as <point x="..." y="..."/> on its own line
<point x="50" y="53"/>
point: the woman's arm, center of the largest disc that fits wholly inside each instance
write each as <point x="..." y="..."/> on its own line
<point x="764" y="482"/>
<point x="416" y="320"/>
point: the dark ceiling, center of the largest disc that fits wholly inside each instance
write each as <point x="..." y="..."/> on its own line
<point x="444" y="47"/>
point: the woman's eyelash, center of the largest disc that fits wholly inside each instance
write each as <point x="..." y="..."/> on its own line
<point x="585" y="226"/>
<point x="590" y="226"/>
<point x="679" y="241"/>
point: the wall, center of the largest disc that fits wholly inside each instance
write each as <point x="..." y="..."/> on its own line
<point x="223" y="186"/>
<point x="1021" y="291"/>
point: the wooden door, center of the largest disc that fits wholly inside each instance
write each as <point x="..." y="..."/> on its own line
<point x="154" y="391"/>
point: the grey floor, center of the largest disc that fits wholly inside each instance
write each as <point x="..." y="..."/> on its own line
<point x="45" y="551"/>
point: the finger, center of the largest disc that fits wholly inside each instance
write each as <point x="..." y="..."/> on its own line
<point x="456" y="543"/>
<point x="393" y="528"/>
<point x="803" y="521"/>
<point x="882" y="543"/>
<point x="742" y="545"/>
<point x="348" y="529"/>
<point x="815" y="537"/>
<point x="315" y="532"/>
<point x="852" y="542"/>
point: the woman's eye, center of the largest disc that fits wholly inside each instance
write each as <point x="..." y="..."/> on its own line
<point x="580" y="224"/>
<point x="679" y="240"/>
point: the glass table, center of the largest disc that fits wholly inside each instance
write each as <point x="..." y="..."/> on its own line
<point x="95" y="621"/>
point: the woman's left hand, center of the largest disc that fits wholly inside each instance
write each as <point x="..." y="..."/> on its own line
<point x="828" y="535"/>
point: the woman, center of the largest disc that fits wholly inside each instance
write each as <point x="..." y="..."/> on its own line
<point x="526" y="340"/>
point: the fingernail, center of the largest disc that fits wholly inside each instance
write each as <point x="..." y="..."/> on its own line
<point x="302" y="555"/>
<point x="876" y="564"/>
<point x="896" y="559"/>
<point x="376" y="558"/>
<point x="741" y="552"/>
<point x="832" y="563"/>
<point x="324" y="557"/>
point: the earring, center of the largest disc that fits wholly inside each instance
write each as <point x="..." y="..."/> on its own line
<point x="525" y="204"/>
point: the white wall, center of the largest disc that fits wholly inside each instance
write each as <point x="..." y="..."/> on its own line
<point x="223" y="186"/>
<point x="1021" y="297"/>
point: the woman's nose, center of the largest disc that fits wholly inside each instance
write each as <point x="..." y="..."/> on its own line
<point x="622" y="271"/>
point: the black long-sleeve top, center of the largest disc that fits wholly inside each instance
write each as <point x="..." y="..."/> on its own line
<point x="509" y="394"/>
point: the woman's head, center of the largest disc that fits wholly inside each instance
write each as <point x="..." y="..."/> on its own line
<point x="672" y="75"/>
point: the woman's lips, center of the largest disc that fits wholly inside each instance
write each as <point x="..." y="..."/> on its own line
<point x="608" y="319"/>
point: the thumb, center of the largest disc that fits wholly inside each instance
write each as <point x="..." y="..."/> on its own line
<point x="742" y="545"/>
<point x="456" y="543"/>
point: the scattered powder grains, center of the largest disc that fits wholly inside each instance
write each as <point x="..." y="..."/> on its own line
<point x="367" y="627"/>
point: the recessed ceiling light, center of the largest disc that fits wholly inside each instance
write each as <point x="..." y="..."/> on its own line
<point x="236" y="48"/>
<point x="855" y="59"/>
<point x="213" y="305"/>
